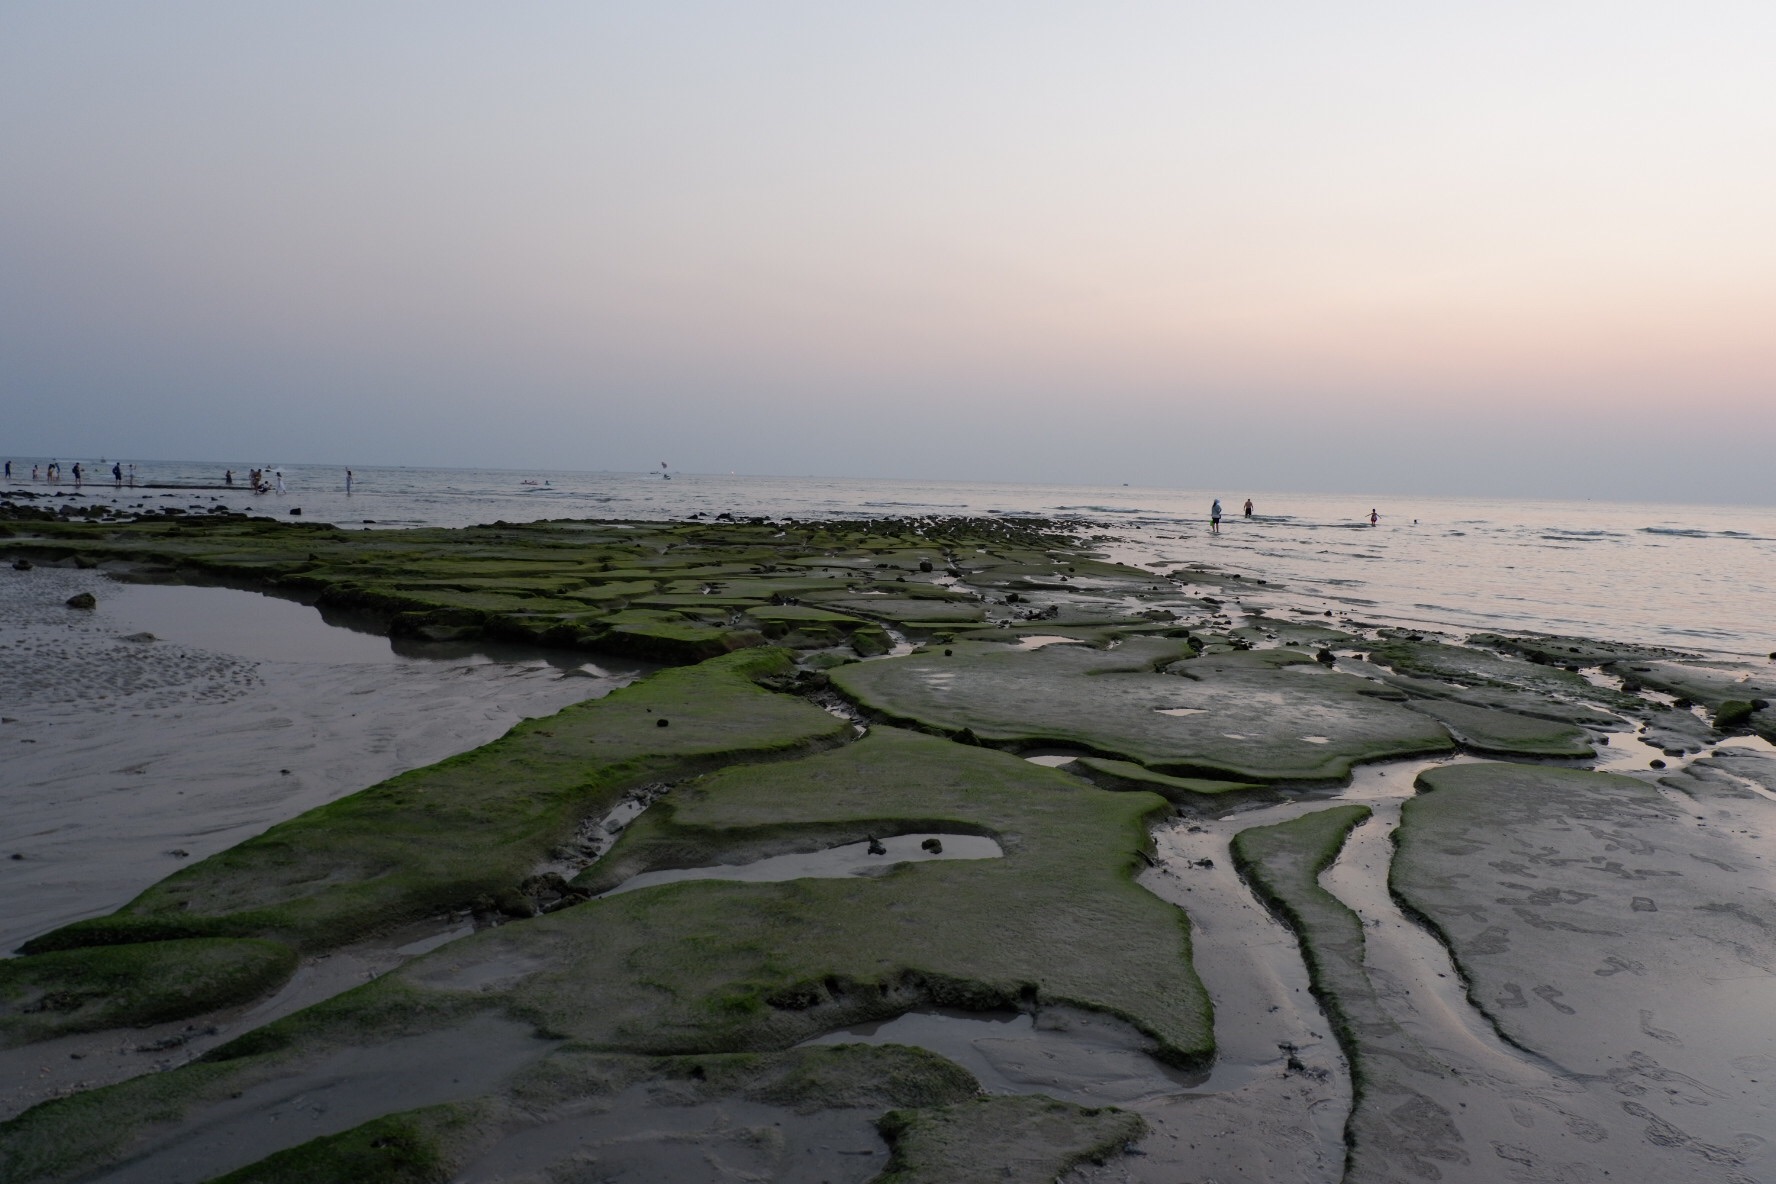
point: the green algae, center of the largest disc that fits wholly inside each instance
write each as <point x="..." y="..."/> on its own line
<point x="753" y="964"/>
<point x="471" y="827"/>
<point x="568" y="584"/>
<point x="1295" y="722"/>
<point x="1029" y="1140"/>
<point x="1504" y="733"/>
<point x="144" y="983"/>
<point x="437" y="1142"/>
<point x="414" y="1147"/>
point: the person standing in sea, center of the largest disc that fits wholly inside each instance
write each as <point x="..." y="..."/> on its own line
<point x="1248" y="507"/>
<point x="1374" y="517"/>
<point x="348" y="480"/>
<point x="1215" y="517"/>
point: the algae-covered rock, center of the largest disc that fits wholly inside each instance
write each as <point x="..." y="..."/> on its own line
<point x="849" y="950"/>
<point x="1732" y="713"/>
<point x="1503" y="733"/>
<point x="1264" y="716"/>
<point x="106" y="987"/>
<point x="1030" y="1140"/>
<point x="471" y="827"/>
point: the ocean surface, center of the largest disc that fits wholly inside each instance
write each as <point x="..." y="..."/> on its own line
<point x="1695" y="577"/>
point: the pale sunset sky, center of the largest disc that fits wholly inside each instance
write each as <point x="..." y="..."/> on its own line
<point x="1500" y="248"/>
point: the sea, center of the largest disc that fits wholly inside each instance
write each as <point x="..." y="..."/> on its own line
<point x="1692" y="577"/>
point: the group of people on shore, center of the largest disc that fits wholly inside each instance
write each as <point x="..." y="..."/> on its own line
<point x="52" y="473"/>
<point x="1215" y="516"/>
<point x="257" y="480"/>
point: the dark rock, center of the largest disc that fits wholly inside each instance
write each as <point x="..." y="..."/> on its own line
<point x="295" y="511"/>
<point x="82" y="600"/>
<point x="662" y="722"/>
<point x="924" y="565"/>
<point x="27" y="565"/>
<point x="1656" y="763"/>
<point x="875" y="846"/>
<point x="935" y="846"/>
<point x="1326" y="657"/>
<point x="1759" y="704"/>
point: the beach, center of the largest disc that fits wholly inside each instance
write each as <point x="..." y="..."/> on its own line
<point x="1234" y="713"/>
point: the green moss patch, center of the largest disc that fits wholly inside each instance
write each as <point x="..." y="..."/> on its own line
<point x="471" y="828"/>
<point x="1032" y="1140"/>
<point x="1058" y="919"/>
<point x="1503" y="733"/>
<point x="87" y="990"/>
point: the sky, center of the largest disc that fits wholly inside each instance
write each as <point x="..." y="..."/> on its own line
<point x="1503" y="248"/>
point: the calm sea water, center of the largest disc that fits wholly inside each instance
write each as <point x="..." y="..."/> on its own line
<point x="1691" y="576"/>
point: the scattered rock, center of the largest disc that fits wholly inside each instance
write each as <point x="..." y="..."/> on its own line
<point x="662" y="722"/>
<point x="1326" y="657"/>
<point x="143" y="637"/>
<point x="935" y="846"/>
<point x="82" y="600"/>
<point x="1656" y="763"/>
<point x="27" y="565"/>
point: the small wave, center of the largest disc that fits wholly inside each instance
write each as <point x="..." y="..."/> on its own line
<point x="922" y="505"/>
<point x="1103" y="510"/>
<point x="1684" y="532"/>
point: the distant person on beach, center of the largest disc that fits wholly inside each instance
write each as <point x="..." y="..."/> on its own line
<point x="33" y="472"/>
<point x="117" y="472"/>
<point x="1215" y="517"/>
<point x="1248" y="507"/>
<point x="9" y="470"/>
<point x="348" y="480"/>
<point x="280" y="480"/>
<point x="78" y="475"/>
<point x="132" y="474"/>
<point x="1373" y="517"/>
<point x="228" y="477"/>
